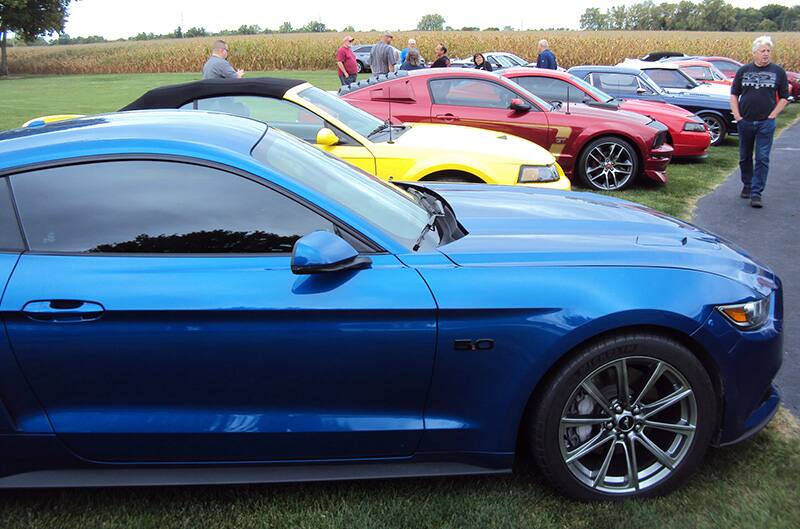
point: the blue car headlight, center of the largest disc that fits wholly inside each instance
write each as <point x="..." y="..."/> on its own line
<point x="536" y="174"/>
<point x="748" y="316"/>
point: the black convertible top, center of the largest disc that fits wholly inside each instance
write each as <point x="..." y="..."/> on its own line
<point x="175" y="96"/>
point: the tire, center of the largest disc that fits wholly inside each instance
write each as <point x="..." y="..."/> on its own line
<point x="717" y="128"/>
<point x="608" y="164"/>
<point x="360" y="66"/>
<point x="573" y="439"/>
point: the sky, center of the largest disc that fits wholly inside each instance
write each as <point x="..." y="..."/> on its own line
<point x="115" y="19"/>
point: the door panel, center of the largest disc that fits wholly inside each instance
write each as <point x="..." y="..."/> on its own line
<point x="226" y="358"/>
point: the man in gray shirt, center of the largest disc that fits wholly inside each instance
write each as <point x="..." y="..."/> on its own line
<point x="217" y="66"/>
<point x="383" y="56"/>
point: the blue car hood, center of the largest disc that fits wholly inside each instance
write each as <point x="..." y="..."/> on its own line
<point x="512" y="226"/>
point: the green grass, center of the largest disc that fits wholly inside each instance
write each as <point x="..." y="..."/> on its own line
<point x="754" y="485"/>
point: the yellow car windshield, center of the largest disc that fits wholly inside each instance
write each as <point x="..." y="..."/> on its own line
<point x="353" y="117"/>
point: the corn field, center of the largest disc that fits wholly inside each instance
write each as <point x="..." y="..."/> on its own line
<point x="315" y="51"/>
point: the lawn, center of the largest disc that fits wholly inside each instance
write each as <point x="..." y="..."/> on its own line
<point x="754" y="485"/>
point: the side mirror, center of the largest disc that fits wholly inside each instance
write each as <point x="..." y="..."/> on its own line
<point x="557" y="104"/>
<point x="519" y="105"/>
<point x="323" y="251"/>
<point x="327" y="137"/>
<point x="641" y="91"/>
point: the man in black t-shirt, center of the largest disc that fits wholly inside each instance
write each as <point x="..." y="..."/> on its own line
<point x="759" y="93"/>
<point x="441" y="57"/>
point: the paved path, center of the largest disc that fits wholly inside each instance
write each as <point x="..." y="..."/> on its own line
<point x="773" y="235"/>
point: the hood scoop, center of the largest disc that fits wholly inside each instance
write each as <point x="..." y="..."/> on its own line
<point x="661" y="240"/>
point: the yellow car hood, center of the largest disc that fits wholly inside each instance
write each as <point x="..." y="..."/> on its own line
<point x="498" y="147"/>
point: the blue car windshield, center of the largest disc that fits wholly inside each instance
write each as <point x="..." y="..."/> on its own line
<point x="596" y="92"/>
<point x="382" y="204"/>
<point x="353" y="117"/>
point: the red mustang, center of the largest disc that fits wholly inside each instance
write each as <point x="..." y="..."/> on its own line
<point x="688" y="133"/>
<point x="606" y="149"/>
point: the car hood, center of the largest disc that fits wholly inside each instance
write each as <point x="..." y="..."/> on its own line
<point x="524" y="227"/>
<point x="653" y="108"/>
<point x="606" y="114"/>
<point x="454" y="139"/>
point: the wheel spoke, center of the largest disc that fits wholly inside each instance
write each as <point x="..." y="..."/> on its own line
<point x="589" y="387"/>
<point x="582" y="420"/>
<point x="614" y="176"/>
<point x="590" y="169"/>
<point x="662" y="456"/>
<point x="657" y="372"/>
<point x="630" y="460"/>
<point x="600" y="162"/>
<point x="595" y="442"/>
<point x="683" y="429"/>
<point x="662" y="404"/>
<point x="622" y="381"/>
<point x="603" y="472"/>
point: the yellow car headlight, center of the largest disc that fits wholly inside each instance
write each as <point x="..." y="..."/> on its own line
<point x="536" y="174"/>
<point x="748" y="315"/>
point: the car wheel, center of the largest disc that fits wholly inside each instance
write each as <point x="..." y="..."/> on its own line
<point x="608" y="164"/>
<point x="360" y="66"/>
<point x="716" y="127"/>
<point x="628" y="416"/>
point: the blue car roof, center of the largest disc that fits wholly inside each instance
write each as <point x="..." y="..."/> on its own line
<point x="175" y="132"/>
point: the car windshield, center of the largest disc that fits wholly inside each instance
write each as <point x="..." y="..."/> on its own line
<point x="596" y="92"/>
<point x="382" y="204"/>
<point x="644" y="78"/>
<point x="355" y="118"/>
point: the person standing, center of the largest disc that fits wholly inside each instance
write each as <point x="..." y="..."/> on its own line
<point x="217" y="66"/>
<point x="480" y="62"/>
<point x="412" y="45"/>
<point x="346" y="64"/>
<point x="441" y="57"/>
<point x="759" y="93"/>
<point x="383" y="56"/>
<point x="546" y="58"/>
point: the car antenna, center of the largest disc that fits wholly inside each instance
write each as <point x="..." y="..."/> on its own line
<point x="568" y="99"/>
<point x="389" y="121"/>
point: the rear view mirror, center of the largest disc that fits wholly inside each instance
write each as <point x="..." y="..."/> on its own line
<point x="327" y="137"/>
<point x="519" y="105"/>
<point x="323" y="251"/>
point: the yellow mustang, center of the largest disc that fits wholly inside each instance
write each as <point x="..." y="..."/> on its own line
<point x="419" y="151"/>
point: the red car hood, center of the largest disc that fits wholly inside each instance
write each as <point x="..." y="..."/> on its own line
<point x="654" y="108"/>
<point x="604" y="113"/>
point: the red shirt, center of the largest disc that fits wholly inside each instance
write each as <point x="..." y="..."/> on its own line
<point x="345" y="56"/>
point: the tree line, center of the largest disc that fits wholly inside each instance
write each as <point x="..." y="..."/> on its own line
<point x="708" y="15"/>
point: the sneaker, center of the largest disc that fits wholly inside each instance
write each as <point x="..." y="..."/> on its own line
<point x="745" y="192"/>
<point x="755" y="202"/>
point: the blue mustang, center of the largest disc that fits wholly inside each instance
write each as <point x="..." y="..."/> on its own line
<point x="631" y="83"/>
<point x="199" y="298"/>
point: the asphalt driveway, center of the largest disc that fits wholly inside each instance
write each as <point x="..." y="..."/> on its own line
<point x="773" y="235"/>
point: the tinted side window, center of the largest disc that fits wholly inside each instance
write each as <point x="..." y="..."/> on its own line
<point x="470" y="93"/>
<point x="551" y="89"/>
<point x="616" y="83"/>
<point x="699" y="72"/>
<point x="10" y="237"/>
<point x="668" y="78"/>
<point x="156" y="207"/>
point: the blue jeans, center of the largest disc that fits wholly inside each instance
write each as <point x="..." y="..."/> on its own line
<point x="755" y="134"/>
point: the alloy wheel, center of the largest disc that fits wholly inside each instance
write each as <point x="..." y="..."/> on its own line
<point x="714" y="128"/>
<point x="609" y="166"/>
<point x="628" y="425"/>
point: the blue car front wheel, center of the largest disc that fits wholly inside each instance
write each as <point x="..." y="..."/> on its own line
<point x="628" y="416"/>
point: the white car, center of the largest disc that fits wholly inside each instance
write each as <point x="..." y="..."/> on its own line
<point x="672" y="79"/>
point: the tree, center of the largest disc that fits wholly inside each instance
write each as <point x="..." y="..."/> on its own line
<point x="349" y="29"/>
<point x="196" y="32"/>
<point x="432" y="22"/>
<point x="470" y="28"/>
<point x="29" y="19"/>
<point x="286" y="27"/>
<point x="313" y="27"/>
<point x="593" y="20"/>
<point x="491" y="29"/>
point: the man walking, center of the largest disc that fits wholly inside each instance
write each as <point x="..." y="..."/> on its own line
<point x="546" y="58"/>
<point x="382" y="58"/>
<point x="346" y="64"/>
<point x="217" y="66"/>
<point x="759" y="93"/>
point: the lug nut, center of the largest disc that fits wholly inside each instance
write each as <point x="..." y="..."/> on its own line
<point x="609" y="425"/>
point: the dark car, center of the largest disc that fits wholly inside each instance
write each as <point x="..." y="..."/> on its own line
<point x="632" y="83"/>
<point x="194" y="298"/>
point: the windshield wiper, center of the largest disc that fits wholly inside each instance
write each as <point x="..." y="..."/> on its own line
<point x="429" y="226"/>
<point x="379" y="128"/>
